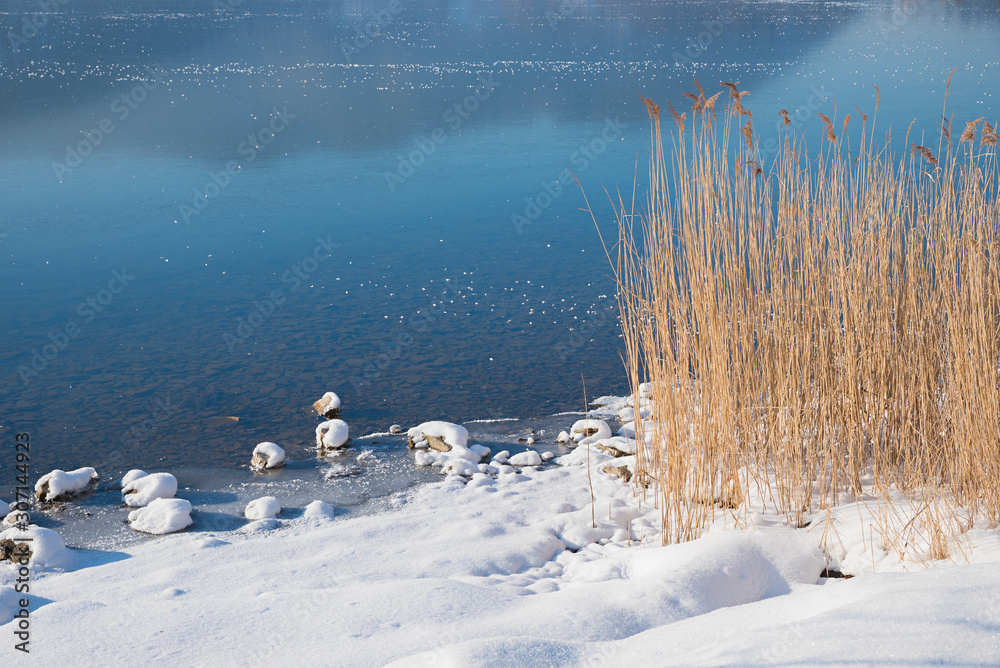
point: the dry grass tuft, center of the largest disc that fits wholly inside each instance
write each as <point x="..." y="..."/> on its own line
<point x="826" y="329"/>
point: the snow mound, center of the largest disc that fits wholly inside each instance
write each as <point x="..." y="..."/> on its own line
<point x="132" y="475"/>
<point x="527" y="458"/>
<point x="262" y="508"/>
<point x="452" y="434"/>
<point x="589" y="431"/>
<point x="46" y="547"/>
<point x="59" y="484"/>
<point x="141" y="491"/>
<point x="332" y="434"/>
<point x="267" y="455"/>
<point x="162" y="516"/>
<point x="319" y="510"/>
<point x="328" y="405"/>
<point x="259" y="527"/>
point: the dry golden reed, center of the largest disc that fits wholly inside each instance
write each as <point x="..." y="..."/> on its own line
<point x="824" y="329"/>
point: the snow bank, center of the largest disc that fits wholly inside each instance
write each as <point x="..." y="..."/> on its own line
<point x="332" y="434"/>
<point x="525" y="569"/>
<point x="46" y="547"/>
<point x="59" y="484"/>
<point x="162" y="516"/>
<point x="262" y="508"/>
<point x="267" y="456"/>
<point x="145" y="489"/>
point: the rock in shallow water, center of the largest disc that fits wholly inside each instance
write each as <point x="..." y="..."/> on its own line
<point x="59" y="485"/>
<point x="332" y="434"/>
<point x="143" y="490"/>
<point x="267" y="455"/>
<point x="328" y="405"/>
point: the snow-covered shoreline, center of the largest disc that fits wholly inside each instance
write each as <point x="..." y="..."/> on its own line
<point x="519" y="568"/>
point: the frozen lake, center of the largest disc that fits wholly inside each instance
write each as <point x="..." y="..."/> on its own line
<point x="218" y="213"/>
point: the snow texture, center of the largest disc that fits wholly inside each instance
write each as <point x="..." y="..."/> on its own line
<point x="262" y="508"/>
<point x="332" y="434"/>
<point x="63" y="484"/>
<point x="162" y="516"/>
<point x="145" y="489"/>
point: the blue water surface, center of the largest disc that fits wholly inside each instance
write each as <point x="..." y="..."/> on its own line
<point x="214" y="211"/>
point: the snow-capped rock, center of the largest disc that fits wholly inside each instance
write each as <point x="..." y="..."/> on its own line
<point x="440" y="436"/>
<point x="134" y="474"/>
<point x="145" y="489"/>
<point x="396" y="429"/>
<point x="262" y="508"/>
<point x="328" y="405"/>
<point x="162" y="516"/>
<point x="563" y="437"/>
<point x="45" y="548"/>
<point x="526" y="458"/>
<point x="267" y="455"/>
<point x="332" y="434"/>
<point x="590" y="431"/>
<point x="58" y="485"/>
<point x="13" y="517"/>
